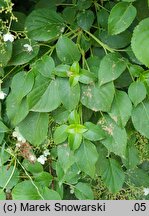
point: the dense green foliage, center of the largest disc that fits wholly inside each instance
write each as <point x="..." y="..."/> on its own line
<point x="74" y="99"/>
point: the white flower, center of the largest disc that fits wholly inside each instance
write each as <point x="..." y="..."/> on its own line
<point x="18" y="145"/>
<point x="46" y="153"/>
<point x="18" y="135"/>
<point x="28" y="47"/>
<point x="2" y="95"/>
<point x="62" y="29"/>
<point x="8" y="37"/>
<point x="42" y="159"/>
<point x="146" y="191"/>
<point x="32" y="158"/>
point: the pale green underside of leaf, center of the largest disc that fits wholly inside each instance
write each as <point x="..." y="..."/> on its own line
<point x="140" y="41"/>
<point x="140" y="118"/>
<point x="121" y="17"/>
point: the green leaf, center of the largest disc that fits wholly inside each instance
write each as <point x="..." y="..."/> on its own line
<point x="44" y="179"/>
<point x="40" y="86"/>
<point x="74" y="79"/>
<point x="116" y="139"/>
<point x="46" y="4"/>
<point x="60" y="115"/>
<point x="45" y="65"/>
<point x="114" y="65"/>
<point x="75" y="68"/>
<point x="104" y="93"/>
<point x="72" y="176"/>
<point x="34" y="127"/>
<point x="121" y="17"/>
<point x="102" y="18"/>
<point x="65" y="157"/>
<point x="3" y="127"/>
<point x="49" y="21"/>
<point x="135" y="70"/>
<point x="4" y="156"/>
<point x="33" y="191"/>
<point x="67" y="50"/>
<point x="3" y="4"/>
<point x="74" y="117"/>
<point x="86" y="77"/>
<point x="74" y="141"/>
<point x="94" y="132"/>
<point x="34" y="168"/>
<point x="69" y="95"/>
<point x="142" y="6"/>
<point x="132" y="156"/>
<point x="22" y="84"/>
<point x="60" y="134"/>
<point x="121" y="108"/>
<point x="116" y="41"/>
<point x="9" y="177"/>
<point x="93" y="64"/>
<point x="69" y="14"/>
<point x="84" y="4"/>
<point x="86" y="157"/>
<point x="19" y="25"/>
<point x="49" y="194"/>
<point x="140" y="118"/>
<point x="20" y="54"/>
<point x="85" y="19"/>
<point x="83" y="191"/>
<point x="28" y="191"/>
<point x="138" y="177"/>
<point x="16" y="111"/>
<point x="140" y="41"/>
<point x="76" y="128"/>
<point x="62" y="70"/>
<point x="2" y="195"/>
<point x="5" y="53"/>
<point x="112" y="174"/>
<point x="137" y="92"/>
<point x="1" y="138"/>
<point x="50" y="99"/>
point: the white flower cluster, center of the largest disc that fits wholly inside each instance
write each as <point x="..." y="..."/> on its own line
<point x="146" y="191"/>
<point x="2" y="95"/>
<point x="16" y="133"/>
<point x="42" y="158"/>
<point x="8" y="37"/>
<point x="28" y="47"/>
<point x="32" y="158"/>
